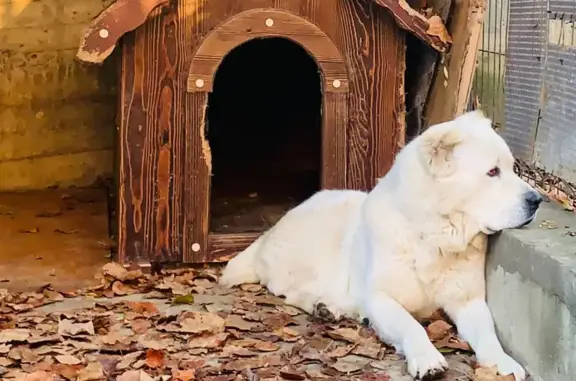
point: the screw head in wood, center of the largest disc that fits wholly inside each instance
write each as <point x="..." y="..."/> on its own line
<point x="336" y="83"/>
<point x="195" y="247"/>
<point x="199" y="83"/>
<point x="104" y="33"/>
<point x="269" y="22"/>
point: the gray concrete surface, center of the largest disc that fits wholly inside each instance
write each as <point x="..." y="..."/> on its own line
<point x="531" y="284"/>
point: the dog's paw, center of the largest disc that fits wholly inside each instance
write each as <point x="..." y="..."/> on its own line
<point x="507" y="365"/>
<point x="428" y="364"/>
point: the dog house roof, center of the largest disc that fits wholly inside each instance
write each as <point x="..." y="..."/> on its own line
<point x="122" y="16"/>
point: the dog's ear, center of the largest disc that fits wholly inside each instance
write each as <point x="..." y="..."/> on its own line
<point x="437" y="148"/>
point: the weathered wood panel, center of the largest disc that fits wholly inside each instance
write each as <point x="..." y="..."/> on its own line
<point x="163" y="165"/>
<point x="375" y="53"/>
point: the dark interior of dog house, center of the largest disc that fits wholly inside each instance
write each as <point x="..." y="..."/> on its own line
<point x="264" y="130"/>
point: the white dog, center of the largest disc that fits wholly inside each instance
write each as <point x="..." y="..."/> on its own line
<point x="413" y="244"/>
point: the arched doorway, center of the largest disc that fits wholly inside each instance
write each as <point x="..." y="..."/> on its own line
<point x="264" y="128"/>
<point x="205" y="241"/>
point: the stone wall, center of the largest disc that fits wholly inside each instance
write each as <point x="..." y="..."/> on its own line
<point x="57" y="115"/>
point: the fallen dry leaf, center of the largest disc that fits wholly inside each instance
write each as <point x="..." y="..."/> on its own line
<point x="184" y="375"/>
<point x="438" y="330"/>
<point x="278" y="320"/>
<point x="340" y="351"/>
<point x="115" y="270"/>
<point x="118" y="272"/>
<point x="40" y="375"/>
<point x="437" y="28"/>
<point x="67" y="359"/>
<point x="373" y="377"/>
<point x="93" y="371"/>
<point x="14" y="335"/>
<point x="266" y="346"/>
<point x="121" y="289"/>
<point x="145" y="308"/>
<point x="370" y="351"/>
<point x="128" y="360"/>
<point x="140" y="325"/>
<point x="134" y="375"/>
<point x="154" y="358"/>
<point x="69" y="372"/>
<point x="490" y="374"/>
<point x="69" y="328"/>
<point x="347" y="334"/>
<point x="289" y="372"/>
<point x="348" y="365"/>
<point x="236" y="321"/>
<point x="208" y="341"/>
<point x="199" y="322"/>
<point x="251" y="287"/>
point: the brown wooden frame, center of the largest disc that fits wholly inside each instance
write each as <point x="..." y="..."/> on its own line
<point x="243" y="27"/>
<point x="162" y="154"/>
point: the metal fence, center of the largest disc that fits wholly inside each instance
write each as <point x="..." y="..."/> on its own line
<point x="526" y="80"/>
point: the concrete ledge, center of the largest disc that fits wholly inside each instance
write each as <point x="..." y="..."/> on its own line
<point x="531" y="285"/>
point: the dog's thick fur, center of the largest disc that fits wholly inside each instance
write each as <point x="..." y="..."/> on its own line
<point x="415" y="243"/>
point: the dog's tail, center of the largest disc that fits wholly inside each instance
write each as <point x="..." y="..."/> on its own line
<point x="241" y="269"/>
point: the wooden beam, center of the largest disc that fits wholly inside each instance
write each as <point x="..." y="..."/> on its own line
<point x="430" y="30"/>
<point x="454" y="76"/>
<point x="101" y="36"/>
<point x="421" y="72"/>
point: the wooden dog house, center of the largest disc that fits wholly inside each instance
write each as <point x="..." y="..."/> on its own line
<point x="173" y="67"/>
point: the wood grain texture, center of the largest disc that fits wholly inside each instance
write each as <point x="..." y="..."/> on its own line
<point x="101" y="36"/>
<point x="251" y="24"/>
<point x="164" y="157"/>
<point x="152" y="138"/>
<point x="421" y="62"/>
<point x="224" y="247"/>
<point x="375" y="54"/>
<point x="449" y="96"/>
<point x="431" y="31"/>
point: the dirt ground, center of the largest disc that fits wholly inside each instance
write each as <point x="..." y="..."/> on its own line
<point x="181" y="325"/>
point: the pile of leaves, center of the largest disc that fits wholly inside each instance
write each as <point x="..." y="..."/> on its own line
<point x="183" y="326"/>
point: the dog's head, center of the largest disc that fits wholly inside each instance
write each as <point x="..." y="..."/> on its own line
<point x="471" y="168"/>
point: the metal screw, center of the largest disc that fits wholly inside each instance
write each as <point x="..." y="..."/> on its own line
<point x="199" y="83"/>
<point x="336" y="83"/>
<point x="104" y="33"/>
<point x="195" y="247"/>
<point x="269" y="22"/>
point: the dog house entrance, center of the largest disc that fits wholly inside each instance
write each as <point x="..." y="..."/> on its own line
<point x="264" y="130"/>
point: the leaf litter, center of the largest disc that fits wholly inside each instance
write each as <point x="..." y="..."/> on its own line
<point x="181" y="325"/>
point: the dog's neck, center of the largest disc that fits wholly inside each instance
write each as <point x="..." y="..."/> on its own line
<point x="439" y="220"/>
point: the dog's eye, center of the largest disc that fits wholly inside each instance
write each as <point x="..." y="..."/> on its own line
<point x="494" y="172"/>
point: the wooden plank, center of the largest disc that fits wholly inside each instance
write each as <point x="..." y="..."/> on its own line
<point x="101" y="36"/>
<point x="225" y="246"/>
<point x="421" y="66"/>
<point x="449" y="95"/>
<point x="432" y="31"/>
<point x="197" y="180"/>
<point x="152" y="141"/>
<point x="334" y="138"/>
<point x="376" y="99"/>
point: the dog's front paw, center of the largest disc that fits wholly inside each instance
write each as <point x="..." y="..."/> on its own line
<point x="507" y="365"/>
<point x="425" y="363"/>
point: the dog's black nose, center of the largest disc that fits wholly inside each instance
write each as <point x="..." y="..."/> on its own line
<point x="533" y="199"/>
